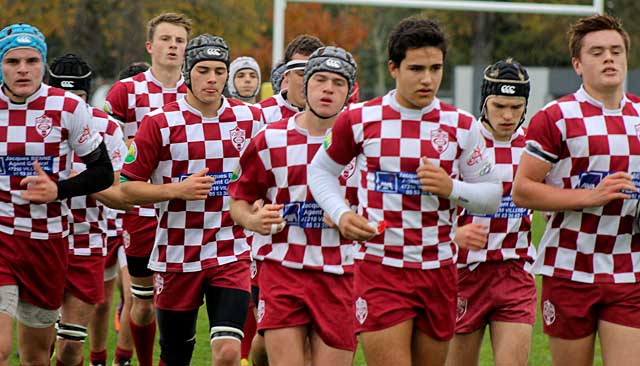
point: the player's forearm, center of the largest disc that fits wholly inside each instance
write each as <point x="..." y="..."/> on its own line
<point x="322" y="177"/>
<point x="113" y="197"/>
<point x="240" y="212"/>
<point x="477" y="197"/>
<point x="141" y="193"/>
<point x="541" y="196"/>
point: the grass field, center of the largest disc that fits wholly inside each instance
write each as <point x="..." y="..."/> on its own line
<point x="540" y="355"/>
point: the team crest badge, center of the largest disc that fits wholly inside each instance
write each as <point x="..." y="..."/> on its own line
<point x="126" y="239"/>
<point x="116" y="157"/>
<point x="440" y="140"/>
<point x="260" y="310"/>
<point x="44" y="125"/>
<point x="349" y="169"/>
<point x="254" y="269"/>
<point x="238" y="137"/>
<point x="461" y="308"/>
<point x="548" y="312"/>
<point x="361" y="310"/>
<point x="158" y="283"/>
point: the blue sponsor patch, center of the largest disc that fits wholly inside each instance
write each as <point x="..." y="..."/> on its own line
<point x="590" y="179"/>
<point x="307" y="215"/>
<point x="406" y="183"/>
<point x="22" y="165"/>
<point x="219" y="187"/>
<point x="507" y="210"/>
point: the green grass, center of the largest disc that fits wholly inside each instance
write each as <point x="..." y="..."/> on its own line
<point x="540" y="355"/>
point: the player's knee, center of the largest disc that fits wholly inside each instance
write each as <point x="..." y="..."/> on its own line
<point x="142" y="293"/>
<point x="175" y="351"/>
<point x="71" y="335"/>
<point x="226" y="351"/>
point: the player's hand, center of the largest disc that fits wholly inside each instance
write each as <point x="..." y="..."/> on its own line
<point x="434" y="179"/>
<point x="355" y="227"/>
<point x="40" y="187"/>
<point x="472" y="236"/>
<point x="195" y="187"/>
<point x="327" y="220"/>
<point x="266" y="219"/>
<point x="609" y="189"/>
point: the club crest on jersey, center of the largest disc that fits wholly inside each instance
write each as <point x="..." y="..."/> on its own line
<point x="462" y="308"/>
<point x="116" y="157"/>
<point x="86" y="132"/>
<point x="253" y="267"/>
<point x="361" y="310"/>
<point x="126" y="239"/>
<point x="44" y="125"/>
<point x="238" y="137"/>
<point x="440" y="140"/>
<point x="133" y="153"/>
<point x="349" y="169"/>
<point x="476" y="156"/>
<point x="158" y="283"/>
<point x="260" y="312"/>
<point x="548" y="312"/>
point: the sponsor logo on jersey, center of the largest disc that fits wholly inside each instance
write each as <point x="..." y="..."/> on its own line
<point x="133" y="153"/>
<point x="548" y="312"/>
<point x="439" y="140"/>
<point x="361" y="310"/>
<point x="327" y="141"/>
<point x="237" y="173"/>
<point x="238" y="137"/>
<point x="44" y="125"/>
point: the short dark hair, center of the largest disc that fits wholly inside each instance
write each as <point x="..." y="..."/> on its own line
<point x="176" y="19"/>
<point x="303" y="44"/>
<point x="132" y="69"/>
<point x="415" y="32"/>
<point x="584" y="26"/>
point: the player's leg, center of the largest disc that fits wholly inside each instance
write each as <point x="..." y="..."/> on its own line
<point x="427" y="351"/>
<point x="72" y="330"/>
<point x="258" y="348"/>
<point x="36" y="333"/>
<point x="464" y="349"/>
<point x="8" y="310"/>
<point x="99" y="323"/>
<point x="285" y="346"/>
<point x="619" y="343"/>
<point x="390" y="346"/>
<point x="227" y="310"/>
<point x="324" y="355"/>
<point x="570" y="320"/>
<point x="515" y="294"/>
<point x="177" y="336"/>
<point x="511" y="343"/>
<point x="142" y="321"/>
<point x="249" y="332"/>
<point x="124" y="343"/>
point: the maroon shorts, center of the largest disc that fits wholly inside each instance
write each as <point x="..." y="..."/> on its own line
<point x="85" y="278"/>
<point x="182" y="291"/>
<point x="113" y="243"/>
<point x="495" y="291"/>
<point x="37" y="267"/>
<point x="139" y="233"/>
<point x="292" y="297"/>
<point x="571" y="310"/>
<point x="386" y="296"/>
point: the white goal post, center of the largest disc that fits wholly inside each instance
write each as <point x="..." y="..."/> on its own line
<point x="280" y="6"/>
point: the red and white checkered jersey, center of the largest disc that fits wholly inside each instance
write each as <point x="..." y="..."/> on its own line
<point x="510" y="227"/>
<point x="274" y="168"/>
<point x="88" y="221"/>
<point x="47" y="127"/>
<point x="276" y="108"/>
<point x="584" y="142"/>
<point x="114" y="222"/>
<point x="130" y="99"/>
<point x="174" y="142"/>
<point x="389" y="141"/>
